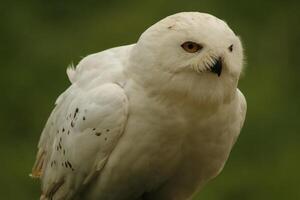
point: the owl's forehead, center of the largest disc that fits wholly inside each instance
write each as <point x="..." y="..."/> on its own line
<point x="190" y="18"/>
<point x="195" y="22"/>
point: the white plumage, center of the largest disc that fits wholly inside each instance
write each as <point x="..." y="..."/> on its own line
<point x="153" y="120"/>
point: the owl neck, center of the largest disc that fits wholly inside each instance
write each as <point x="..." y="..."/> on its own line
<point x="183" y="91"/>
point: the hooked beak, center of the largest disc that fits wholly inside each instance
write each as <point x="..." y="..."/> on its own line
<point x="217" y="67"/>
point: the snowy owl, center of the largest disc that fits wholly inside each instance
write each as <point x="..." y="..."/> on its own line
<point x="155" y="120"/>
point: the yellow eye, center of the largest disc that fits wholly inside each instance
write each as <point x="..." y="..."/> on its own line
<point x="191" y="47"/>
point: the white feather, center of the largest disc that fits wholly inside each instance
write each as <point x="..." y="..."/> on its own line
<point x="71" y="72"/>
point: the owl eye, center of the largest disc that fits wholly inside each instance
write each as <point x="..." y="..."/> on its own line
<point x="191" y="47"/>
<point x="230" y="48"/>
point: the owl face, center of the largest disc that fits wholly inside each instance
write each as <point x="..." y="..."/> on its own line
<point x="192" y="53"/>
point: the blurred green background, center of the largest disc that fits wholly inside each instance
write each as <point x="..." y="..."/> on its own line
<point x="38" y="39"/>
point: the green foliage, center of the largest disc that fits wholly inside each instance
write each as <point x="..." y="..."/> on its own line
<point x="40" y="38"/>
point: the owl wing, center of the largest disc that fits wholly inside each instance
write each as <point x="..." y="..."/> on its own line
<point x="78" y="138"/>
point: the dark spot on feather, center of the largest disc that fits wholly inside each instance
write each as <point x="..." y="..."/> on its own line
<point x="107" y="130"/>
<point x="64" y="152"/>
<point x="98" y="133"/>
<point x="76" y="111"/>
<point x="66" y="164"/>
<point x="105" y="139"/>
<point x="68" y="132"/>
<point x="94" y="129"/>
<point x="69" y="164"/>
<point x="63" y="130"/>
<point x="72" y="124"/>
<point x="170" y="27"/>
<point x="83" y="118"/>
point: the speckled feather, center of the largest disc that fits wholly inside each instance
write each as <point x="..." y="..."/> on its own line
<point x="84" y="127"/>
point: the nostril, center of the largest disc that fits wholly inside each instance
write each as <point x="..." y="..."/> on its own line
<point x="230" y="48"/>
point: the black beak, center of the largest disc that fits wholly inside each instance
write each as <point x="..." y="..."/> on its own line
<point x="217" y="67"/>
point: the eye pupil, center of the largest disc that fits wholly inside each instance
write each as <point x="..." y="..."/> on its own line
<point x="191" y="46"/>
